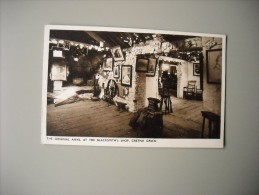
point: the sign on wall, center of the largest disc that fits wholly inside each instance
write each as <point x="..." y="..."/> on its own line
<point x="58" y="72"/>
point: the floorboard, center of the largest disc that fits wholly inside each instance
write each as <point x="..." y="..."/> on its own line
<point x="98" y="119"/>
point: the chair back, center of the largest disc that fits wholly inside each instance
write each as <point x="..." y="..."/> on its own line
<point x="191" y="86"/>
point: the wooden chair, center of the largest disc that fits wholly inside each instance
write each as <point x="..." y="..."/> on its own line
<point x="199" y="94"/>
<point x="214" y="124"/>
<point x="190" y="90"/>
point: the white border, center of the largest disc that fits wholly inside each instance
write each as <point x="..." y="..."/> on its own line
<point x="128" y="142"/>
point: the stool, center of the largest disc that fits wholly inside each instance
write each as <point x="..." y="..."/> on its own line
<point x="213" y="119"/>
<point x="165" y="99"/>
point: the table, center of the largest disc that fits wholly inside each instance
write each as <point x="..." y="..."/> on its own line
<point x="214" y="120"/>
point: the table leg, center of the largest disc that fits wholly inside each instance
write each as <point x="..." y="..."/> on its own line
<point x="203" y="125"/>
<point x="210" y="128"/>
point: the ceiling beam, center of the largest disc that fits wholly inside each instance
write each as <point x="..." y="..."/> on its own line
<point x="107" y="37"/>
<point x="99" y="39"/>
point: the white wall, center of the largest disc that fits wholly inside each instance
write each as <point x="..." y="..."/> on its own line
<point x="152" y="87"/>
<point x="29" y="168"/>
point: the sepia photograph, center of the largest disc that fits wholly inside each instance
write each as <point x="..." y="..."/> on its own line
<point x="142" y="64"/>
<point x="117" y="53"/>
<point x="214" y="64"/>
<point x="116" y="71"/>
<point x="196" y="69"/>
<point x="108" y="64"/>
<point x="126" y="75"/>
<point x="160" y="89"/>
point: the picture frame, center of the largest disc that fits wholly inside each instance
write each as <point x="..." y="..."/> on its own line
<point x="84" y="51"/>
<point x="58" y="71"/>
<point x="126" y="75"/>
<point x="116" y="71"/>
<point x="214" y="66"/>
<point x="142" y="64"/>
<point x="57" y="53"/>
<point x="152" y="64"/>
<point x="108" y="64"/>
<point x="60" y="44"/>
<point x="66" y="45"/>
<point x="117" y="53"/>
<point x="196" y="69"/>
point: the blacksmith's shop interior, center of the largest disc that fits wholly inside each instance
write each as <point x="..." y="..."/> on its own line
<point x="125" y="84"/>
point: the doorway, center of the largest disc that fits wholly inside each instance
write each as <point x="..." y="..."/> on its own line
<point x="173" y="80"/>
<point x="168" y="70"/>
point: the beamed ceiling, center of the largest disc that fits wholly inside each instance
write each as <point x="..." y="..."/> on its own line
<point x="110" y="39"/>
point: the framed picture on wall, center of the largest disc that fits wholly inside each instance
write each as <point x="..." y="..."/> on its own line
<point x="214" y="66"/>
<point x="126" y="75"/>
<point x="142" y="64"/>
<point x="59" y="71"/>
<point x="196" y="69"/>
<point x="84" y="51"/>
<point x="61" y="44"/>
<point x="152" y="63"/>
<point x="117" y="53"/>
<point x="66" y="45"/>
<point x="108" y="64"/>
<point x="116" y="71"/>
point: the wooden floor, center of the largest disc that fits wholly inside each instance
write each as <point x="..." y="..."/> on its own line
<point x="97" y="119"/>
<point x="186" y="119"/>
